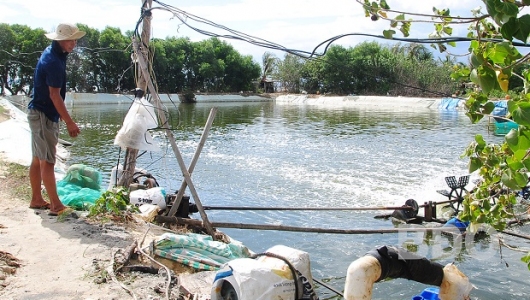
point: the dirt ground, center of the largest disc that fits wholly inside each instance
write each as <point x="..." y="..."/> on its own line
<point x="47" y="257"/>
<point x="43" y="257"/>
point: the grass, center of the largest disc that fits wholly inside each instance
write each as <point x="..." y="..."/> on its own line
<point x="16" y="182"/>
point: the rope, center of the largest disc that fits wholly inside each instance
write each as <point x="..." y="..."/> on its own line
<point x="291" y="267"/>
<point x="328" y="287"/>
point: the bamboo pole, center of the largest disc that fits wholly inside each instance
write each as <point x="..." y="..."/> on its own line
<point x="129" y="165"/>
<point x="308" y="208"/>
<point x="184" y="221"/>
<point x="191" y="167"/>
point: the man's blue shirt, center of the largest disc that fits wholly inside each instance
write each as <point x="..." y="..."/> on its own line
<point x="50" y="72"/>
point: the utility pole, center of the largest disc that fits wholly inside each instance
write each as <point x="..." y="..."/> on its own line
<point x="141" y="87"/>
<point x="141" y="51"/>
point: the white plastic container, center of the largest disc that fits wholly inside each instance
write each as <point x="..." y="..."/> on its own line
<point x="155" y="196"/>
<point x="263" y="278"/>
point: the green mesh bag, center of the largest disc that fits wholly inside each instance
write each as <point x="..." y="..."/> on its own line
<point x="81" y="187"/>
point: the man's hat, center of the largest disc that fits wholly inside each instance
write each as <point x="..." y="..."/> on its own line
<point x="65" y="32"/>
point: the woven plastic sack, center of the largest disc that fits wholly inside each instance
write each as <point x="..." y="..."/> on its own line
<point x="198" y="251"/>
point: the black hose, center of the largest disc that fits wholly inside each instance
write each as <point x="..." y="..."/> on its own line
<point x="399" y="263"/>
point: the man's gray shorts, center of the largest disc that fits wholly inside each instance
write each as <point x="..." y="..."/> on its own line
<point x="44" y="135"/>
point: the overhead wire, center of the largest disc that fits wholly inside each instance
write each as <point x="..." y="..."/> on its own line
<point x="185" y="18"/>
<point x="316" y="53"/>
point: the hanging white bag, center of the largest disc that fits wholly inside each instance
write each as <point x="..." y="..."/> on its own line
<point x="134" y="132"/>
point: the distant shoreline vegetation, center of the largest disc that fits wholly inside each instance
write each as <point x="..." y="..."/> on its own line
<point x="102" y="63"/>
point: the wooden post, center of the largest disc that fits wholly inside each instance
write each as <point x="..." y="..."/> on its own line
<point x="144" y="83"/>
<point x="183" y="186"/>
<point x="177" y="220"/>
<point x="129" y="165"/>
<point x="428" y="211"/>
<point x="158" y="105"/>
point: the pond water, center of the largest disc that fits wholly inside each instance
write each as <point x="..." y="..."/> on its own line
<point x="271" y="154"/>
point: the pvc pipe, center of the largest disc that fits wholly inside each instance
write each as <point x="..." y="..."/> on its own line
<point x="360" y="278"/>
<point x="389" y="262"/>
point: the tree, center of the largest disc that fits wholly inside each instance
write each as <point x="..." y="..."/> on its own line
<point x="84" y="64"/>
<point x="7" y="42"/>
<point x="493" y="59"/>
<point x="169" y="56"/>
<point x="20" y="49"/>
<point x="376" y="68"/>
<point x="269" y="64"/>
<point x="338" y="80"/>
<point x="288" y="72"/>
<point x="115" y="59"/>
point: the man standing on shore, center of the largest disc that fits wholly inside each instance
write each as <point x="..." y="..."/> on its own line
<point x="44" y="112"/>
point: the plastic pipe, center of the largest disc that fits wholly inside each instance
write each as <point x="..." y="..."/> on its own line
<point x="385" y="262"/>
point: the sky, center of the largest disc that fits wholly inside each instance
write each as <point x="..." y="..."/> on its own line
<point x="294" y="24"/>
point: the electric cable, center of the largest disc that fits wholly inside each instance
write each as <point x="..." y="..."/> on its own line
<point x="185" y="17"/>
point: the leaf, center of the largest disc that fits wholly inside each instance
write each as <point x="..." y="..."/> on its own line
<point x="474" y="117"/>
<point x="488" y="108"/>
<point x="521" y="114"/>
<point x="499" y="53"/>
<point x="509" y="181"/>
<point x="405" y="28"/>
<point x="384" y="5"/>
<point x="481" y="218"/>
<point x="521" y="179"/>
<point x="514" y="163"/>
<point x="503" y="79"/>
<point x="509" y="29"/>
<point x="476" y="60"/>
<point x="507" y="9"/>
<point x="473" y="76"/>
<point x="523" y="28"/>
<point x="492" y="11"/>
<point x="524" y="143"/>
<point x="487" y="79"/>
<point x="512" y="139"/>
<point x="474" y="45"/>
<point x="388" y="33"/>
<point x="480" y="140"/>
<point x="474" y="164"/>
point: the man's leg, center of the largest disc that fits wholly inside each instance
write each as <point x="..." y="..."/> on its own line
<point x="47" y="171"/>
<point x="35" y="180"/>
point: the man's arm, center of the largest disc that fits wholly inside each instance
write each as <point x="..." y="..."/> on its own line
<point x="55" y="95"/>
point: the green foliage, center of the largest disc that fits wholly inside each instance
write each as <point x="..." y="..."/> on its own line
<point x="115" y="202"/>
<point x="188" y="97"/>
<point x="288" y="71"/>
<point x="368" y="68"/>
<point x="526" y="259"/>
<point x="102" y="62"/>
<point x="20" y="48"/>
<point x="494" y="62"/>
